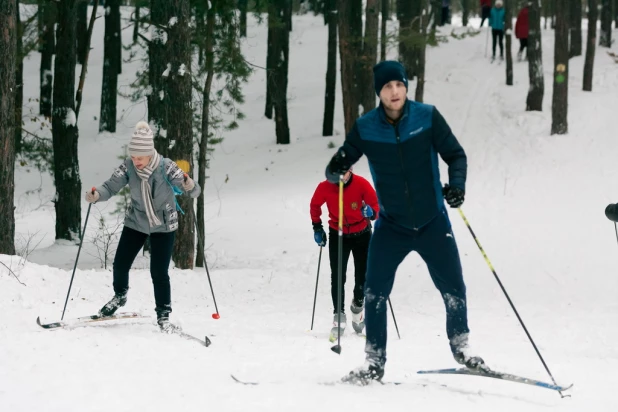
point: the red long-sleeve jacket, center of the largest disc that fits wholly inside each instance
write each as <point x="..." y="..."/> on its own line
<point x="357" y="191"/>
<point x="522" y="26"/>
<point x="485" y="3"/>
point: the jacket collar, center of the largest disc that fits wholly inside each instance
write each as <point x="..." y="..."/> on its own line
<point x="404" y="114"/>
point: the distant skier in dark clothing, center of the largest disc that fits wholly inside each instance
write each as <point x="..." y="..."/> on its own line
<point x="402" y="140"/>
<point x="485" y="10"/>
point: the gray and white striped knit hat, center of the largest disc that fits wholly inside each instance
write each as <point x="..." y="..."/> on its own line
<point x="142" y="143"/>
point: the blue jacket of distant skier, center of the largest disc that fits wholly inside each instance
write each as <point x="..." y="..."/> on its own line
<point x="403" y="159"/>
<point x="496" y="18"/>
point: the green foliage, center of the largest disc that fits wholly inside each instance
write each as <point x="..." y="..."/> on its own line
<point x="36" y="149"/>
<point x="230" y="68"/>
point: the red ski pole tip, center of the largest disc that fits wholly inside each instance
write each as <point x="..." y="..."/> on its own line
<point x="215" y="316"/>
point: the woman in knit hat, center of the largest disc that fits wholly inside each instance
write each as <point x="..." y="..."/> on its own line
<point x="152" y="213"/>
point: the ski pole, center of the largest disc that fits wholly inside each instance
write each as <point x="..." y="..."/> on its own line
<point x="389" y="299"/>
<point x="487" y="39"/>
<point x="81" y="241"/>
<point x="507" y="296"/>
<point x="394" y="320"/>
<point x="337" y="347"/>
<point x="200" y="239"/>
<point x="315" y="296"/>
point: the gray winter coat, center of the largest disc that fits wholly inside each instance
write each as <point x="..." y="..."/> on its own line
<point x="168" y="174"/>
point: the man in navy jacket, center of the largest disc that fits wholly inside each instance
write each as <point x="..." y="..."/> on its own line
<point x="402" y="140"/>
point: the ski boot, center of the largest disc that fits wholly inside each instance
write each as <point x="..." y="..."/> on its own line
<point x="358" y="320"/>
<point x="334" y="332"/>
<point x="119" y="300"/>
<point x="163" y="319"/>
<point x="461" y="353"/>
<point x="364" y="375"/>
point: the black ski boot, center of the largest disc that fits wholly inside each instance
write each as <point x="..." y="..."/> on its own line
<point x="119" y="300"/>
<point x="364" y="375"/>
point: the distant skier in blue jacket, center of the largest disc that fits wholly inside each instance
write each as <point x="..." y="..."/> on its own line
<point x="402" y="140"/>
<point x="496" y="21"/>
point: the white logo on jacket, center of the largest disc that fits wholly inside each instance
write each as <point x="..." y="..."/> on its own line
<point x="417" y="131"/>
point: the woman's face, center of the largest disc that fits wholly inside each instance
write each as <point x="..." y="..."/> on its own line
<point x="140" y="162"/>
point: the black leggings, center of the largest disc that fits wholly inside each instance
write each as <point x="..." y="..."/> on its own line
<point x="523" y="44"/>
<point x="161" y="246"/>
<point x="497" y="35"/>
<point x="359" y="246"/>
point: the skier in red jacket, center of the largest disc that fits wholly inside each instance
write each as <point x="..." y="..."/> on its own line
<point x="360" y="205"/>
<point x="522" y="27"/>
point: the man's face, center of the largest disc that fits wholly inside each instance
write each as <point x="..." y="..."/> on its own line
<point x="140" y="162"/>
<point x="393" y="95"/>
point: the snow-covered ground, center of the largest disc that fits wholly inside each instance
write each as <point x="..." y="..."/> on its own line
<point x="535" y="201"/>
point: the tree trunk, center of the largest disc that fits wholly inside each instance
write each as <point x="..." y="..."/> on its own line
<point x="593" y="15"/>
<point x="136" y="25"/>
<point x="8" y="64"/>
<point x="64" y="127"/>
<point x="509" y="5"/>
<point x="48" y="45"/>
<point x="109" y="86"/>
<point x="383" y="25"/>
<point x="158" y="98"/>
<point x="281" y="64"/>
<point x="271" y="54"/>
<point x="350" y="27"/>
<point x="560" y="100"/>
<point x="575" y="17"/>
<point x="202" y="162"/>
<point x="242" y="6"/>
<point x="605" y="39"/>
<point x="82" y="29"/>
<point x="423" y="20"/>
<point x="19" y="80"/>
<point x="369" y="57"/>
<point x="534" y="101"/>
<point x="180" y="130"/>
<point x="405" y="14"/>
<point x="331" y="69"/>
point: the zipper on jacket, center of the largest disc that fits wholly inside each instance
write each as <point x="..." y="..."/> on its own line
<point x="403" y="172"/>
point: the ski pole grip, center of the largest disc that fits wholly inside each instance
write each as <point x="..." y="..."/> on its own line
<point x="93" y="189"/>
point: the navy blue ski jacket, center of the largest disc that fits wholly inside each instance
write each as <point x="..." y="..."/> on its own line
<point x="403" y="159"/>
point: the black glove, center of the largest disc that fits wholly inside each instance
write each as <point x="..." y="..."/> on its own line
<point x="454" y="196"/>
<point x="611" y="211"/>
<point x="337" y="166"/>
<point x="319" y="235"/>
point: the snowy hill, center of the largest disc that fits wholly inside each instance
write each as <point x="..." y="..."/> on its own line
<point x="535" y="201"/>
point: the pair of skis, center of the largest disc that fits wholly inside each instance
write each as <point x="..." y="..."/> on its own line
<point x="94" y="319"/>
<point x="483" y="372"/>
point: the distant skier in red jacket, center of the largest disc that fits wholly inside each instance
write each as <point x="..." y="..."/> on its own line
<point x="522" y="27"/>
<point x="360" y="205"/>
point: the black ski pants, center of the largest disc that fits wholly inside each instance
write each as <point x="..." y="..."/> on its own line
<point x="358" y="245"/>
<point x="161" y="246"/>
